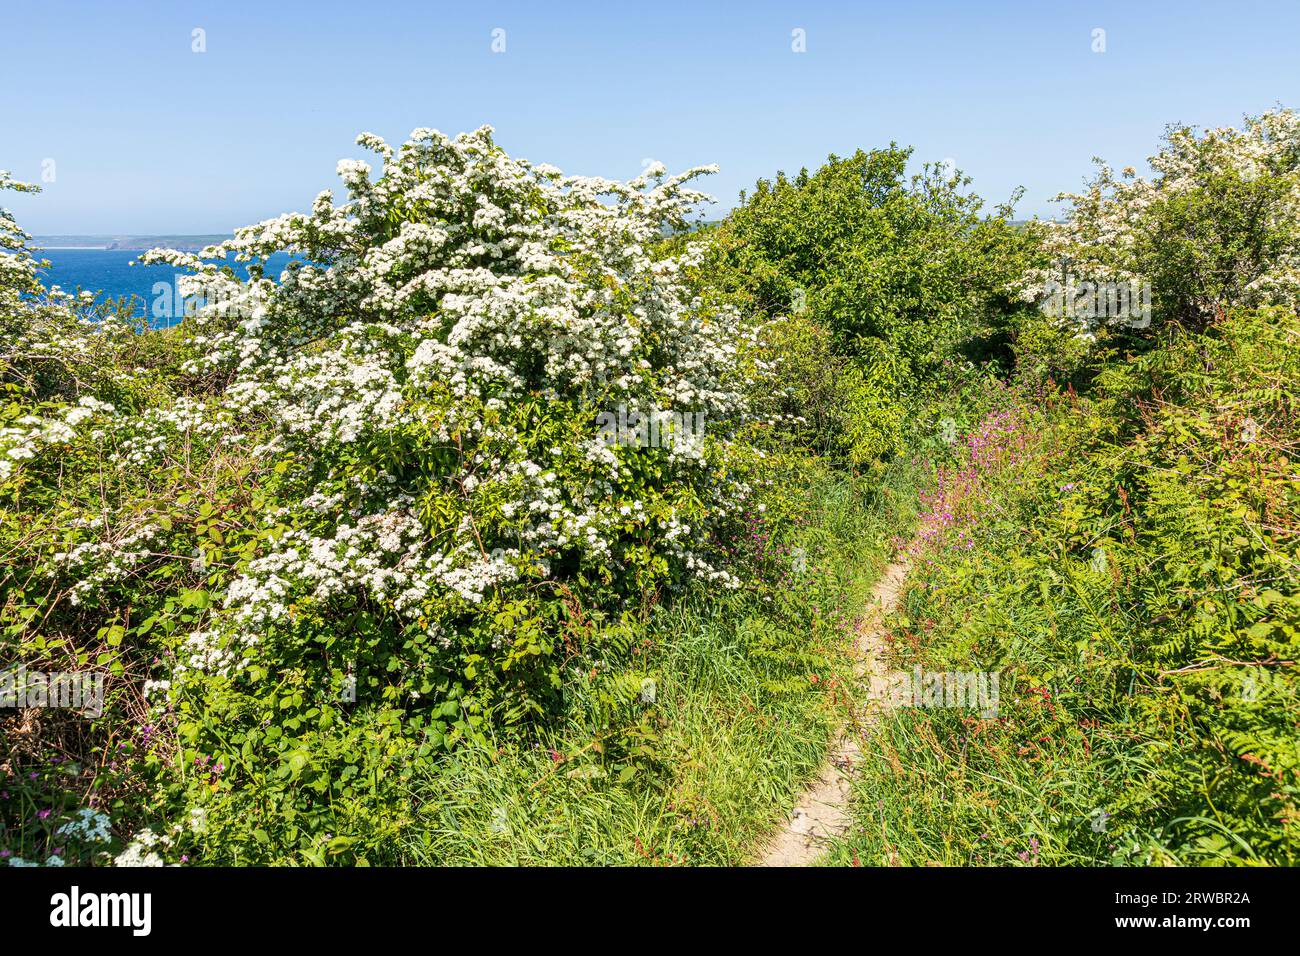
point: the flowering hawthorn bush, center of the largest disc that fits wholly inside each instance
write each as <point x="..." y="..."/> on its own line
<point x="369" y="500"/>
<point x="1218" y="225"/>
<point x="426" y="382"/>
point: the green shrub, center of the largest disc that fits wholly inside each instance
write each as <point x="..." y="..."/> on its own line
<point x="873" y="255"/>
<point x="809" y="396"/>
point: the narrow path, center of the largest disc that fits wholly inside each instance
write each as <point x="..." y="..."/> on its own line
<point x="822" y="811"/>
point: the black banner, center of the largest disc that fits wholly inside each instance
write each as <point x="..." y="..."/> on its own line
<point x="937" y="905"/>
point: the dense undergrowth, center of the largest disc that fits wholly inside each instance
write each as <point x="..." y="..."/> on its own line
<point x="1127" y="561"/>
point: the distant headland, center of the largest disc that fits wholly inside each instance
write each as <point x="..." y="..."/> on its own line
<point x="127" y="243"/>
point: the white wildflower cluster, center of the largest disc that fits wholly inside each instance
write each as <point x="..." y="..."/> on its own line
<point x="52" y="334"/>
<point x="22" y="440"/>
<point x="88" y="825"/>
<point x="96" y="563"/>
<point x="1106" y="240"/>
<point x="149" y="438"/>
<point x="383" y="553"/>
<point x="17" y="265"/>
<point x="142" y="850"/>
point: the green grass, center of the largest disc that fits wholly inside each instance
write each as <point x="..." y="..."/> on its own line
<point x="731" y="751"/>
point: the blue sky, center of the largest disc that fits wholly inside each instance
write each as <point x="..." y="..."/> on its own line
<point x="148" y="136"/>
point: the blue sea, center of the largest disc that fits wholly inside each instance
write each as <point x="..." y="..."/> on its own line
<point x="109" y="273"/>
